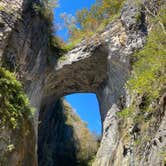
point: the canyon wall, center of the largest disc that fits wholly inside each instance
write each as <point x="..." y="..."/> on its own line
<point x="100" y="65"/>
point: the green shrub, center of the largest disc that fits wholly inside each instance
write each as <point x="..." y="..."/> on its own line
<point x="126" y="112"/>
<point x="14" y="105"/>
<point x="149" y="70"/>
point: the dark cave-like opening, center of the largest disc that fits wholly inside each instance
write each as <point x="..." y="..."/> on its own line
<point x="69" y="135"/>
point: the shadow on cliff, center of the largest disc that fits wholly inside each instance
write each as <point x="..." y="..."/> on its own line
<point x="56" y="142"/>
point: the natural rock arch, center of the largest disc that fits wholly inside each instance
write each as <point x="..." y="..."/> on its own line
<point x="79" y="73"/>
<point x="82" y="70"/>
<point x="100" y="65"/>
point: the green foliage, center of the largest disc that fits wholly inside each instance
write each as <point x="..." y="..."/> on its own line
<point x="57" y="45"/>
<point x="148" y="77"/>
<point x="126" y="112"/>
<point x="162" y="16"/>
<point x="86" y="142"/>
<point x="146" y="85"/>
<point x="71" y="45"/>
<point x="14" y="104"/>
<point x="93" y="20"/>
<point x="2" y="8"/>
<point x="90" y="22"/>
<point x="149" y="70"/>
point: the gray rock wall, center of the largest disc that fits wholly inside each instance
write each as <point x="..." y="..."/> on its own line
<point x="100" y="65"/>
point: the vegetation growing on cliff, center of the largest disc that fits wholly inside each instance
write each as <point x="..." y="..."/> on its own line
<point x="86" y="23"/>
<point x="15" y="116"/>
<point x="89" y="22"/>
<point x="14" y="105"/>
<point x="86" y="143"/>
<point x="148" y="74"/>
<point x="147" y="85"/>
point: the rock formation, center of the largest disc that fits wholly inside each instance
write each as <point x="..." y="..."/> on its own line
<point x="101" y="65"/>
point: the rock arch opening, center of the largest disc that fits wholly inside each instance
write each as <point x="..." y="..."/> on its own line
<point x="63" y="137"/>
<point x="84" y="69"/>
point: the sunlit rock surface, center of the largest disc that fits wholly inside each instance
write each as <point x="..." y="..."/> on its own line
<point x="100" y="65"/>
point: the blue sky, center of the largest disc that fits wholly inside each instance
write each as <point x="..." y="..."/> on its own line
<point x="86" y="105"/>
<point x="70" y="7"/>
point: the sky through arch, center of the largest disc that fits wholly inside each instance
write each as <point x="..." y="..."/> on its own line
<point x="85" y="104"/>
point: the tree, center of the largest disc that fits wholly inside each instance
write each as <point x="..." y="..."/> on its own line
<point x="89" y="21"/>
<point x="69" y="22"/>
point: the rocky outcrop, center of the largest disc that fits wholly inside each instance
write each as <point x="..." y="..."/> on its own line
<point x="24" y="48"/>
<point x="100" y="65"/>
<point x="8" y="19"/>
<point x="155" y="150"/>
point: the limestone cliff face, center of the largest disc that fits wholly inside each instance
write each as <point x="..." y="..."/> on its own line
<point x="100" y="65"/>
